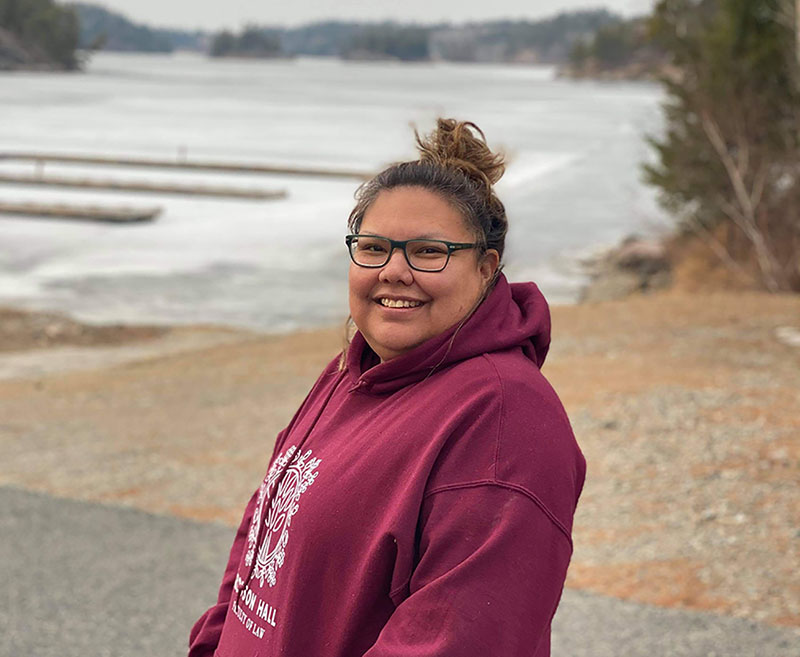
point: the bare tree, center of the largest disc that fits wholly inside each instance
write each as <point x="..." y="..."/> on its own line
<point x="729" y="163"/>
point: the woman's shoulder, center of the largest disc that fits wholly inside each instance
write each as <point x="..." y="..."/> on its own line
<point x="509" y="377"/>
<point x="519" y="426"/>
<point x="527" y="394"/>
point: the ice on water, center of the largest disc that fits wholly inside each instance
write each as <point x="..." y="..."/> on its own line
<point x="573" y="181"/>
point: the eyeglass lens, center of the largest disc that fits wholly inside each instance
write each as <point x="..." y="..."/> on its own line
<point x="422" y="254"/>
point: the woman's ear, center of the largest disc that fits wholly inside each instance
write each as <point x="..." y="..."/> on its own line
<point x="488" y="265"/>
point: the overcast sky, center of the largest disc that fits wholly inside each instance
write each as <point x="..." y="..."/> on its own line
<point x="218" y="14"/>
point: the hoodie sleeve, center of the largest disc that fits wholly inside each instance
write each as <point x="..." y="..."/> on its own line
<point x="205" y="633"/>
<point x="489" y="576"/>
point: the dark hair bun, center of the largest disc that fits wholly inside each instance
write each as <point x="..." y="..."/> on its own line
<point x="455" y="144"/>
<point x="455" y="163"/>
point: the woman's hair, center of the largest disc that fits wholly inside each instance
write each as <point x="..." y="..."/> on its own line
<point x="456" y="164"/>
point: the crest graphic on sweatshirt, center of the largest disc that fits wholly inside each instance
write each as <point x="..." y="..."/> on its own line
<point x="288" y="478"/>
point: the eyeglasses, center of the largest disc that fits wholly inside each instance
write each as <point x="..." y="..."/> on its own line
<point x="421" y="255"/>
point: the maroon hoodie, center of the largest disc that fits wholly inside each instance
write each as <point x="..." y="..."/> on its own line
<point x="419" y="507"/>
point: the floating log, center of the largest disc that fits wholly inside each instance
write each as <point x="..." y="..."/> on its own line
<point x="143" y="186"/>
<point x="182" y="163"/>
<point x="118" y="214"/>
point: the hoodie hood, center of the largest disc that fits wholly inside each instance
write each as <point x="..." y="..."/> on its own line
<point x="513" y="315"/>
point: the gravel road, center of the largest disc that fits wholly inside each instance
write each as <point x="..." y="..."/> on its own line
<point x="88" y="579"/>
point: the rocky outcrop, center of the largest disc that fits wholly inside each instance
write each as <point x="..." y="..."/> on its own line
<point x="637" y="265"/>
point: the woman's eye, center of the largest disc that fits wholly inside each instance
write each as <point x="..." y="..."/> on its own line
<point x="371" y="247"/>
<point x="430" y="250"/>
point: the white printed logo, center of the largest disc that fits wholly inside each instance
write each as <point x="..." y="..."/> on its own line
<point x="298" y="475"/>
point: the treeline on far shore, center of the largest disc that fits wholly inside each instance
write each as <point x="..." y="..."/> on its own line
<point x="544" y="41"/>
<point x="44" y="34"/>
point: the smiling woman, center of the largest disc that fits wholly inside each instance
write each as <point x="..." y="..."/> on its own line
<point x="447" y="195"/>
<point x="396" y="306"/>
<point x="421" y="500"/>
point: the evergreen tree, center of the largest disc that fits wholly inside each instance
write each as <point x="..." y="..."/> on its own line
<point x="728" y="164"/>
<point x="48" y="29"/>
<point x="223" y="44"/>
<point x="403" y="42"/>
<point x="254" y="41"/>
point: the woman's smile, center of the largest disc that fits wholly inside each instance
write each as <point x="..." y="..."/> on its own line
<point x="397" y="303"/>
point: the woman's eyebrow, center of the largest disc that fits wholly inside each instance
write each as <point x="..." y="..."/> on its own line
<point x="424" y="236"/>
<point x="430" y="236"/>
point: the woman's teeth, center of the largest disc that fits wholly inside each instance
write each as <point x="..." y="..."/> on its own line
<point x="391" y="303"/>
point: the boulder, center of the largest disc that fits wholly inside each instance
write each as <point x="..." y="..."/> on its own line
<point x="637" y="265"/>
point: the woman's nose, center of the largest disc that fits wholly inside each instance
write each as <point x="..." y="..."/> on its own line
<point x="396" y="269"/>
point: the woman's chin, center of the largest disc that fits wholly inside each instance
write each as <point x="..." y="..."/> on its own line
<point x="392" y="346"/>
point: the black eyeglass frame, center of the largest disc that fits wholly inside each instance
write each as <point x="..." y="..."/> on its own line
<point x="401" y="244"/>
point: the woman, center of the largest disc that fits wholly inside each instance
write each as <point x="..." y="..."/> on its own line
<point x="420" y="501"/>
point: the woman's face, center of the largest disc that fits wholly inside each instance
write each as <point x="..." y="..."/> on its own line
<point x="440" y="299"/>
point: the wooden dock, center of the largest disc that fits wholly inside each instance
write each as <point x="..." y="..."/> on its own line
<point x="111" y="214"/>
<point x="142" y="186"/>
<point x="184" y="163"/>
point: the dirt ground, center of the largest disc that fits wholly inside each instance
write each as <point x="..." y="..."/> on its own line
<point x="687" y="409"/>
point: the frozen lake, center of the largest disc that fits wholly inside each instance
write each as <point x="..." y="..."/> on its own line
<point x="573" y="183"/>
